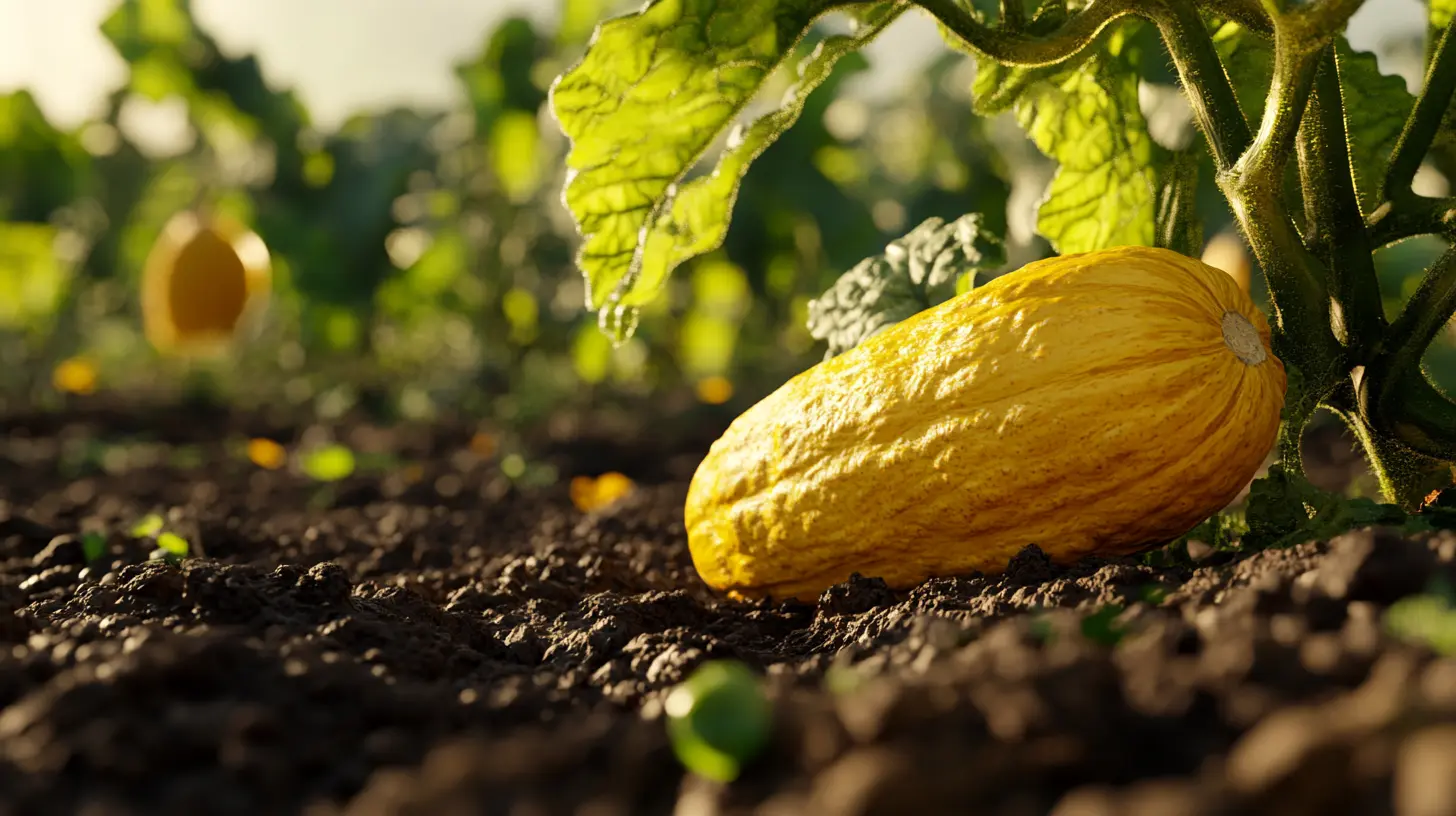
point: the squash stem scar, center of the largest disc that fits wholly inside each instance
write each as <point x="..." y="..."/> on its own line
<point x="1243" y="339"/>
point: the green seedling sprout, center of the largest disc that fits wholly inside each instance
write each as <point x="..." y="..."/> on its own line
<point x="718" y="720"/>
<point x="1103" y="627"/>
<point x="93" y="546"/>
<point x="330" y="463"/>
<point x="1428" y="619"/>
<point x="148" y="527"/>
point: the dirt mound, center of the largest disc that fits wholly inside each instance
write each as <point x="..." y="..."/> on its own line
<point x="422" y="644"/>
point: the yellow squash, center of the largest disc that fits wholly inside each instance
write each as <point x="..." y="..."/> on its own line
<point x="1090" y="403"/>
<point x="203" y="278"/>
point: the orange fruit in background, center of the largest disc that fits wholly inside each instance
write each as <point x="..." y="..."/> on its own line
<point x="589" y="493"/>
<point x="76" y="375"/>
<point x="1226" y="251"/>
<point x="202" y="279"/>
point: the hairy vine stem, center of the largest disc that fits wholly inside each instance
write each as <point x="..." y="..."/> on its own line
<point x="1410" y="215"/>
<point x="1424" y="120"/>
<point x="1336" y="230"/>
<point x="1254" y="188"/>
<point x="1395" y="394"/>
<point x="1013" y="47"/>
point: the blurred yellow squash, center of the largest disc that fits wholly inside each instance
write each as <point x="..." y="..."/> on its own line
<point x="1090" y="403"/>
<point x="203" y="279"/>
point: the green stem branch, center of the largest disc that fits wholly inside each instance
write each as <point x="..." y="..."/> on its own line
<point x="1395" y="395"/>
<point x="1336" y="231"/>
<point x="1254" y="188"/>
<point x="1214" y="104"/>
<point x="1016" y="48"/>
<point x="1313" y="26"/>
<point x="1424" y="121"/>
<point x="1411" y="215"/>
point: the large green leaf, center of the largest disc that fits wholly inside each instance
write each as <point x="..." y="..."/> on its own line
<point x="1105" y="192"/>
<point x="653" y="92"/>
<point x="1376" y="107"/>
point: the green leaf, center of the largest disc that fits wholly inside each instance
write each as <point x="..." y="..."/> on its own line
<point x="1376" y="107"/>
<point x="173" y="544"/>
<point x="329" y="463"/>
<point x="1427" y="619"/>
<point x="1441" y="13"/>
<point x="914" y="273"/>
<point x="33" y="280"/>
<point x="139" y="26"/>
<point x="718" y="719"/>
<point x="149" y="526"/>
<point x="651" y="95"/>
<point x="93" y="546"/>
<point x="1105" y="192"/>
<point x="1284" y="509"/>
<point x="1440" y="18"/>
<point x="1103" y="627"/>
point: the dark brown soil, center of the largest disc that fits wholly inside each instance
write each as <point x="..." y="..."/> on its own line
<point x="429" y="639"/>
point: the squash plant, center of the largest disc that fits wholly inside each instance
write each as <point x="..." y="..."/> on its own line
<point x="1312" y="147"/>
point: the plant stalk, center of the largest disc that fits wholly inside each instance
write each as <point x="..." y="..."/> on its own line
<point x="1425" y="118"/>
<point x="1336" y="230"/>
<point x="1409" y="215"/>
<point x="1013" y="47"/>
<point x="1395" y="395"/>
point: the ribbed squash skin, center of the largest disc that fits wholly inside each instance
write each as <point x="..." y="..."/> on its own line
<point x="1088" y="403"/>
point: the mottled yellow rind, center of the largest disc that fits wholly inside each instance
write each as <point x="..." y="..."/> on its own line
<point x="201" y="279"/>
<point x="1087" y="403"/>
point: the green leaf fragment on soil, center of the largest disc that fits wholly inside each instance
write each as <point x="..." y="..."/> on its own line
<point x="329" y="463"/>
<point x="1428" y="619"/>
<point x="653" y="92"/>
<point x="1102" y="626"/>
<point x="173" y="544"/>
<point x="915" y="272"/>
<point x="93" y="546"/>
<point x="149" y="526"/>
<point x="718" y="719"/>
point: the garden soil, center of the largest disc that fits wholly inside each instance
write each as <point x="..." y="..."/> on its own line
<point x="432" y="638"/>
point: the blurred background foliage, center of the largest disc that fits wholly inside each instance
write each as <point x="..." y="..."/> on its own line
<point x="422" y="259"/>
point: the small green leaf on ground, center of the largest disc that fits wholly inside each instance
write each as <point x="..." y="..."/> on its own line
<point x="93" y="545"/>
<point x="652" y="93"/>
<point x="148" y="527"/>
<point x="173" y="544"/>
<point x="718" y="719"/>
<point x="329" y="463"/>
<point x="1428" y="619"/>
<point x="1103" y="627"/>
<point x="915" y="272"/>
